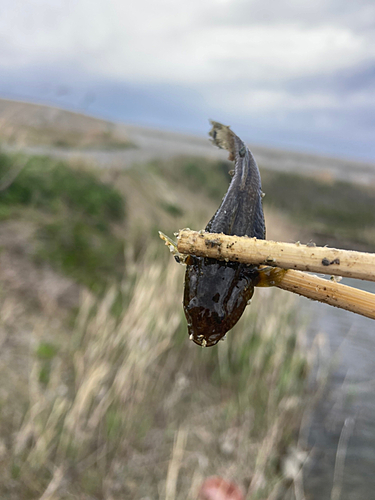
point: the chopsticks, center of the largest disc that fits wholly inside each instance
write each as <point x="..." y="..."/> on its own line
<point x="294" y="258"/>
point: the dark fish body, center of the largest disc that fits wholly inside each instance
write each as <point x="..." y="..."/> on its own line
<point x="217" y="292"/>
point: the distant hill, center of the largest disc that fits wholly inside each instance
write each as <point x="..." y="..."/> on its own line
<point x="48" y="130"/>
<point x="26" y="124"/>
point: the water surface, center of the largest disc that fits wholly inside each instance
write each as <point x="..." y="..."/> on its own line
<point x="347" y="407"/>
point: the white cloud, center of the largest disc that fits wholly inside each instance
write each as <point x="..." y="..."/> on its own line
<point x="242" y="57"/>
<point x="266" y="53"/>
<point x="268" y="100"/>
<point x="169" y="41"/>
<point x="278" y="105"/>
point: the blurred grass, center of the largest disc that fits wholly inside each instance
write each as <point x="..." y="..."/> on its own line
<point x="90" y="255"/>
<point x="209" y="177"/>
<point x="55" y="136"/>
<point x="104" y="406"/>
<point x="49" y="184"/>
<point x="334" y="213"/>
<point x="74" y="213"/>
<point x="95" y="408"/>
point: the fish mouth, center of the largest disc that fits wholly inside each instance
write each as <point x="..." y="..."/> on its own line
<point x="205" y="327"/>
<point x="205" y="340"/>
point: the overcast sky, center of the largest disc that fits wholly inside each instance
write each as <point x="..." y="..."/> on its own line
<point x="288" y="73"/>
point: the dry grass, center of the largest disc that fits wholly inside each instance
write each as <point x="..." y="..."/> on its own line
<point x="117" y="403"/>
<point x="126" y="407"/>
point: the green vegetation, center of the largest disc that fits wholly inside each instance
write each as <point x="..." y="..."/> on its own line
<point x="81" y="250"/>
<point x="74" y="212"/>
<point x="340" y="211"/>
<point x="335" y="213"/>
<point x="49" y="184"/>
<point x="46" y="350"/>
<point x="197" y="174"/>
<point x="172" y="209"/>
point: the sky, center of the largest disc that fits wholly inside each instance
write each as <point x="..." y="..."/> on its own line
<point x="292" y="74"/>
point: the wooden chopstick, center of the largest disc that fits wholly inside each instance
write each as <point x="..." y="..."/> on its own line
<point x="329" y="292"/>
<point x="291" y="257"/>
<point x="285" y="255"/>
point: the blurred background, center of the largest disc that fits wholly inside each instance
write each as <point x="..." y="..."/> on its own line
<point x="289" y="74"/>
<point x="104" y="110"/>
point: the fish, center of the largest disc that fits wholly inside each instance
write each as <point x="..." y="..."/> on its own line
<point x="216" y="292"/>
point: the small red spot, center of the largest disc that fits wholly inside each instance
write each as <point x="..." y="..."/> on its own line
<point x="216" y="488"/>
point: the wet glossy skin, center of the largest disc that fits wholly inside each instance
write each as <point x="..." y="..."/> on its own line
<point x="216" y="292"/>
